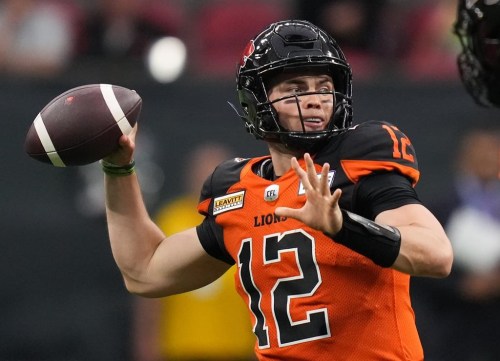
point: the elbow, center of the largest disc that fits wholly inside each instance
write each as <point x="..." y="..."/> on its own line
<point x="439" y="259"/>
<point x="435" y="263"/>
<point x="145" y="289"/>
<point x="134" y="287"/>
<point x="448" y="265"/>
<point x="442" y="264"/>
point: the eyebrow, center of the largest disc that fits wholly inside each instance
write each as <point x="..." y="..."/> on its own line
<point x="300" y="80"/>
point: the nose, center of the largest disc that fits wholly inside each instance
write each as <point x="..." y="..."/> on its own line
<point x="317" y="100"/>
<point x="312" y="100"/>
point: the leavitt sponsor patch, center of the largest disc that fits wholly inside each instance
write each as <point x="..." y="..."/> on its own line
<point x="228" y="202"/>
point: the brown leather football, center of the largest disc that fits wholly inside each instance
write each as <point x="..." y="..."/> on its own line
<point x="83" y="124"/>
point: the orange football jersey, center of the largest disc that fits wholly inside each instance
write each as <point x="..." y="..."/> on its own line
<point x="309" y="297"/>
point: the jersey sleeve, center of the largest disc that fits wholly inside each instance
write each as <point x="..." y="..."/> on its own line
<point x="210" y="236"/>
<point x="217" y="184"/>
<point x="380" y="192"/>
<point x="378" y="147"/>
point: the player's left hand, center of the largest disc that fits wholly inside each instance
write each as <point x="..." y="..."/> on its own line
<point x="321" y="210"/>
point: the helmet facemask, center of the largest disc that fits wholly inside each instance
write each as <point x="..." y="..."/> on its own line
<point x="478" y="29"/>
<point x="302" y="139"/>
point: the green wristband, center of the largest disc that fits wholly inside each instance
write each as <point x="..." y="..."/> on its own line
<point x="118" y="170"/>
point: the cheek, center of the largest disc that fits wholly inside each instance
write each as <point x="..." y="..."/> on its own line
<point x="287" y="114"/>
<point x="328" y="109"/>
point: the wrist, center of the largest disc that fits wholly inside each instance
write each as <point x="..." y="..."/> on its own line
<point x="116" y="170"/>
<point x="378" y="242"/>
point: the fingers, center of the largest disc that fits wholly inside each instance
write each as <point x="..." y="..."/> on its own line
<point x="300" y="172"/>
<point x="336" y="195"/>
<point x="321" y="208"/>
<point x="320" y="183"/>
<point x="287" y="212"/>
<point x="324" y="180"/>
<point x="311" y="170"/>
<point x="309" y="177"/>
<point x="125" y="152"/>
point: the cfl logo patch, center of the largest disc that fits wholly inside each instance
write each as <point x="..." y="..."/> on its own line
<point x="271" y="193"/>
<point x="331" y="177"/>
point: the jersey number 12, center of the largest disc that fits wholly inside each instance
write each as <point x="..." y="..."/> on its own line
<point x="289" y="331"/>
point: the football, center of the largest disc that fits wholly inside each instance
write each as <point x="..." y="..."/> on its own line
<point x="83" y="124"/>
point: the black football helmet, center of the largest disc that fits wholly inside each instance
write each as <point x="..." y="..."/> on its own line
<point x="478" y="28"/>
<point x="292" y="45"/>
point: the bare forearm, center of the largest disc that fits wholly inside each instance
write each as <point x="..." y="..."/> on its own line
<point x="425" y="248"/>
<point x="133" y="235"/>
<point x="420" y="253"/>
<point x="151" y="264"/>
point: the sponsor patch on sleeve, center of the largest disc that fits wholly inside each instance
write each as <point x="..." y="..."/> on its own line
<point x="228" y="202"/>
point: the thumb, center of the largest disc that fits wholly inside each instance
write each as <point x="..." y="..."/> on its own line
<point x="287" y="212"/>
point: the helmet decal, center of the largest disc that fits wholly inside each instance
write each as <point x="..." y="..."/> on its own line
<point x="247" y="52"/>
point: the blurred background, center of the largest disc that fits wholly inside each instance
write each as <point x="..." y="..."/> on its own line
<point x="61" y="295"/>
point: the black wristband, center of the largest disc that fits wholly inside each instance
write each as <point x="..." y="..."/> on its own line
<point x="379" y="243"/>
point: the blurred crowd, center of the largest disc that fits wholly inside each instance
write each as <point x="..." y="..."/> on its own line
<point x="45" y="38"/>
<point x="463" y="310"/>
<point x="94" y="39"/>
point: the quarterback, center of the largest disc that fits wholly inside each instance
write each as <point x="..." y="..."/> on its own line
<point x="325" y="231"/>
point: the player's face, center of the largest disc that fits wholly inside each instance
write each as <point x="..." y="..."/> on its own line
<point x="315" y="109"/>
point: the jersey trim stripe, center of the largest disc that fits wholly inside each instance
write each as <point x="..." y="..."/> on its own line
<point x="356" y="169"/>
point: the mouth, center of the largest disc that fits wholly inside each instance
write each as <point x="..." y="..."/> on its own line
<point x="313" y="123"/>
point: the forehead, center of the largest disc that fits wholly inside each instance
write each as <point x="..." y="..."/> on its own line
<point x="297" y="76"/>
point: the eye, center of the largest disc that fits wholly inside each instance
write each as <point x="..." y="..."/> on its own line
<point x="326" y="87"/>
<point x="294" y="89"/>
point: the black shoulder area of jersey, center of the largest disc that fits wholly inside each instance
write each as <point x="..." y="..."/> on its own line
<point x="378" y="141"/>
<point x="223" y="177"/>
<point x="371" y="147"/>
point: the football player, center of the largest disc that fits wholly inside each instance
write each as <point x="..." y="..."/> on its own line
<point x="325" y="231"/>
<point x="478" y="28"/>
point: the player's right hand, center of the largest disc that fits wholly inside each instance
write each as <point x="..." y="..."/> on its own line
<point x="125" y="152"/>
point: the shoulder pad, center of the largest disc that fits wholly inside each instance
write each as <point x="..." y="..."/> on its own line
<point x="376" y="146"/>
